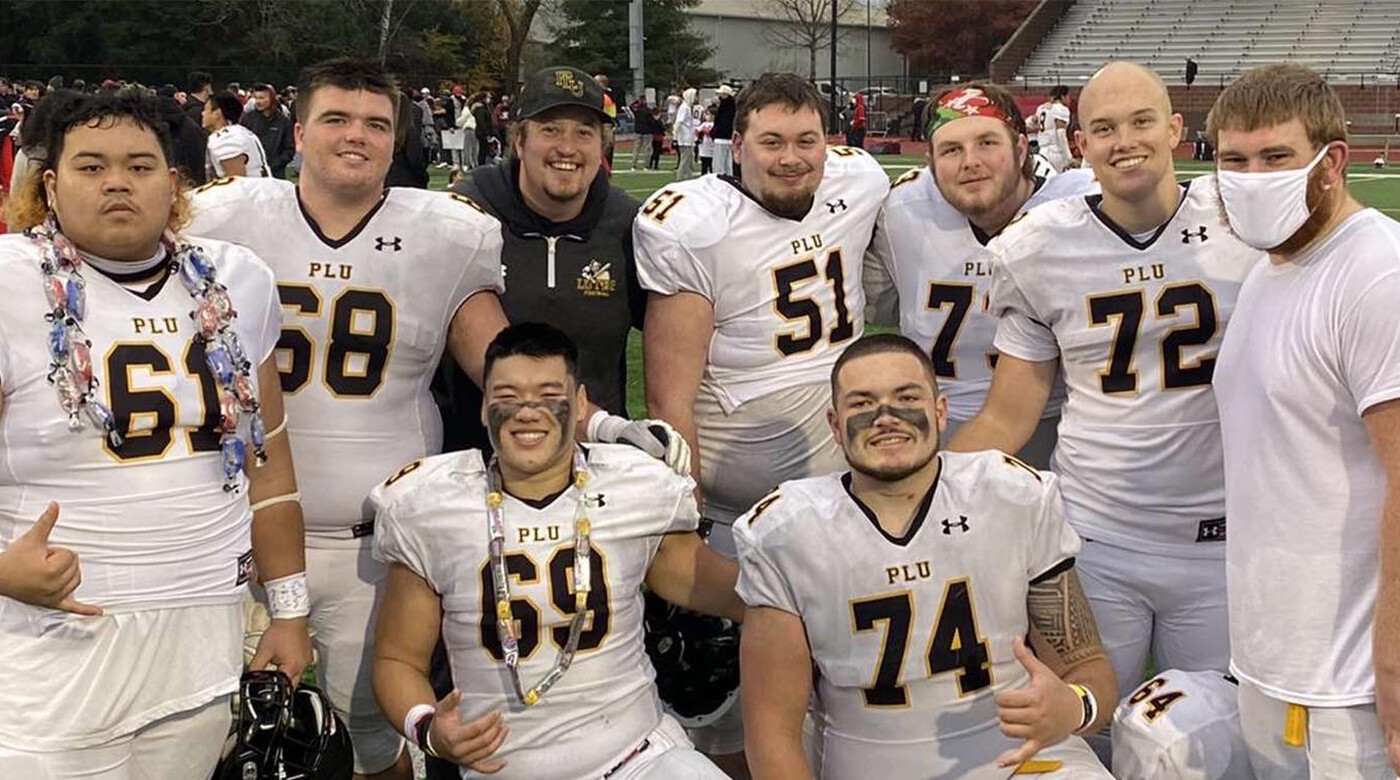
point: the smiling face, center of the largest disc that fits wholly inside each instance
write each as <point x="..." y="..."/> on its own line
<point x="1128" y="131"/>
<point x="560" y="152"/>
<point x="347" y="140"/>
<point x="887" y="415"/>
<point x="976" y="163"/>
<point x="532" y="408"/>
<point x="112" y="189"/>
<point x="783" y="154"/>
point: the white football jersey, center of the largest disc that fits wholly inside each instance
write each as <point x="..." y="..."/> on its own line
<point x="150" y="520"/>
<point x="1136" y="324"/>
<point x="786" y="293"/>
<point x="938" y="269"/>
<point x="433" y="520"/>
<point x="231" y="141"/>
<point x="1047" y="116"/>
<point x="364" y="325"/>
<point x="911" y="636"/>
<point x="1181" y="726"/>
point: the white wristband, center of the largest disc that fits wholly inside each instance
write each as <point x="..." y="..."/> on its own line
<point x="275" y="500"/>
<point x="287" y="597"/>
<point x="410" y="721"/>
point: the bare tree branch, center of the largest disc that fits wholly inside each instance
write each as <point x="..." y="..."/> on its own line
<point x="806" y="25"/>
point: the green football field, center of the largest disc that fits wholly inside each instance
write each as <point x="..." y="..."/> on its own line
<point x="1376" y="188"/>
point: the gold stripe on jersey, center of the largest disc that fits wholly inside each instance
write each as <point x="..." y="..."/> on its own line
<point x="1012" y="460"/>
<point x="466" y="201"/>
<point x="906" y="177"/>
<point x="219" y="182"/>
<point x="403" y="472"/>
<point x="762" y="505"/>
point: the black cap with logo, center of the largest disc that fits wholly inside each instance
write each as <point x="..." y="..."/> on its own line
<point x="559" y="86"/>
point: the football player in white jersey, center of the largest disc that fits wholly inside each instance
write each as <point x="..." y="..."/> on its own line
<point x="553" y="681"/>
<point x="144" y="467"/>
<point x="1052" y="119"/>
<point x="1181" y="726"/>
<point x="1128" y="294"/>
<point x="754" y="288"/>
<point x="374" y="283"/>
<point x="233" y="149"/>
<point x="1309" y="392"/>
<point x="909" y="583"/>
<point x="928" y="270"/>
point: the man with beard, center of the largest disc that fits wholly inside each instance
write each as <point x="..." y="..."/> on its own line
<point x="928" y="269"/>
<point x="568" y="248"/>
<point x="530" y="565"/>
<point x="374" y="284"/>
<point x="1127" y="294"/>
<point x="1308" y="384"/>
<point x="754" y="291"/>
<point x="910" y="583"/>
<point x="144" y="467"/>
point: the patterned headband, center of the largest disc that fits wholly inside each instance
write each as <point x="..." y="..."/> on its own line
<point x="964" y="103"/>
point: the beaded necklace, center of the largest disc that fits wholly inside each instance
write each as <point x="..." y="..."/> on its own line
<point x="505" y="621"/>
<point x="70" y="350"/>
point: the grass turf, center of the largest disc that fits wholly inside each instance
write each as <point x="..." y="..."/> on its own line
<point x="1379" y="189"/>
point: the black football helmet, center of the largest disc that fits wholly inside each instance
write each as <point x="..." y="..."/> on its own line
<point x="284" y="734"/>
<point x="696" y="658"/>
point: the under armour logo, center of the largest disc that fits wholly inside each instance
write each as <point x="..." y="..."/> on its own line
<point x="960" y="524"/>
<point x="381" y="242"/>
<point x="837" y="205"/>
<point x="1187" y="235"/>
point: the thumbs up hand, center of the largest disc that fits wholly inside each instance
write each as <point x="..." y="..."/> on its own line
<point x="36" y="573"/>
<point x="1042" y="713"/>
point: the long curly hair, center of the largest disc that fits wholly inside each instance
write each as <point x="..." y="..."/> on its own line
<point x="29" y="204"/>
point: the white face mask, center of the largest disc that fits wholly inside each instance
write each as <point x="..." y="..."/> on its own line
<point x="1266" y="209"/>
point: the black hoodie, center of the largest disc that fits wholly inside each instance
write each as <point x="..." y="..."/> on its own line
<point x="579" y="276"/>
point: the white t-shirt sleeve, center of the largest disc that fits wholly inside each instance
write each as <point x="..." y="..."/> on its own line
<point x="1369" y="341"/>
<point x="1020" y="332"/>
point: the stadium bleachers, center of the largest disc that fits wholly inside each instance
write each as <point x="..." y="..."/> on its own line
<point x="1349" y="41"/>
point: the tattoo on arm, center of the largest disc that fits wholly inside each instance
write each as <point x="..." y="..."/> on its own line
<point x="1059" y="610"/>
